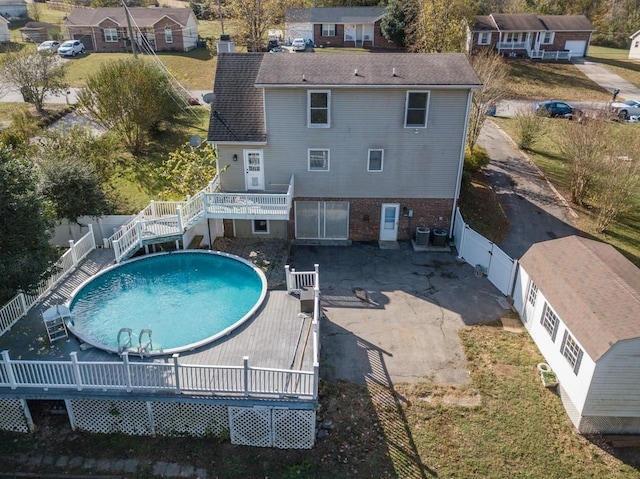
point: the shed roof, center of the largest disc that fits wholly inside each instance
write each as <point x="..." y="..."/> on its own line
<point x="635" y="35"/>
<point x="143" y="17"/>
<point x="362" y="15"/>
<point x="593" y="288"/>
<point x="373" y="69"/>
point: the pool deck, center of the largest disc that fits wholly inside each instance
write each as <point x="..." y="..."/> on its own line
<point x="278" y="336"/>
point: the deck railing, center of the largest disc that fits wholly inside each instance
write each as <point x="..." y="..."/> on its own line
<point x="553" y="55"/>
<point x="299" y="280"/>
<point x="511" y="46"/>
<point x="129" y="376"/>
<point x="17" y="307"/>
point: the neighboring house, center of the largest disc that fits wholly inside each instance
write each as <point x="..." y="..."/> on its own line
<point x="373" y="143"/>
<point x="544" y="37"/>
<point x="580" y="301"/>
<point x="4" y="30"/>
<point x="38" y="32"/>
<point x="154" y="29"/>
<point x="337" y="26"/>
<point x="11" y="9"/>
<point x="634" y="49"/>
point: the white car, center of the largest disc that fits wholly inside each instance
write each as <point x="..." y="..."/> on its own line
<point x="70" y="48"/>
<point x="299" y="45"/>
<point x="49" y="46"/>
<point x="627" y="109"/>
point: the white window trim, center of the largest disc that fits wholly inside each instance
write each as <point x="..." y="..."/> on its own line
<point x="481" y="35"/>
<point x="329" y="34"/>
<point x="381" y="150"/>
<point x="426" y="110"/>
<point x="532" y="297"/>
<point x="574" y="358"/>
<point x="554" y="325"/>
<point x="168" y="35"/>
<point x="109" y="38"/>
<point x="318" y="125"/>
<point x="514" y="37"/>
<point x="309" y="159"/>
<point x="551" y="38"/>
<point x="256" y="232"/>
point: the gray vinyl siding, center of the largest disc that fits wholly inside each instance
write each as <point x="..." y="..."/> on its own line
<point x="416" y="165"/>
<point x="615" y="385"/>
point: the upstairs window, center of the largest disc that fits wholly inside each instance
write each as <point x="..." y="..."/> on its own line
<point x="571" y="351"/>
<point x="328" y="30"/>
<point x="318" y="160"/>
<point x="547" y="38"/>
<point x="375" y="160"/>
<point x="168" y="35"/>
<point x="319" y="109"/>
<point x="550" y="322"/>
<point x="484" y="38"/>
<point x="110" y="35"/>
<point x="417" y="104"/>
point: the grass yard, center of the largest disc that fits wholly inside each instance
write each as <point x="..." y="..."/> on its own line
<point x="618" y="62"/>
<point x="624" y="234"/>
<point x="504" y="424"/>
<point x="532" y="80"/>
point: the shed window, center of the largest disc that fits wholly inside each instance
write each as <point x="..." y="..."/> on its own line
<point x="533" y="294"/>
<point x="571" y="351"/>
<point x="110" y="35"/>
<point x="550" y="322"/>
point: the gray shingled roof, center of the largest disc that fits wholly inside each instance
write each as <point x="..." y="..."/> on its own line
<point x="362" y="15"/>
<point x="373" y="69"/>
<point x="567" y="23"/>
<point x="238" y="102"/>
<point x="593" y="288"/>
<point x="525" y="22"/>
<point x="143" y="17"/>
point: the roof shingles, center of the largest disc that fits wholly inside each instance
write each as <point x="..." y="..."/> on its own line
<point x="591" y="286"/>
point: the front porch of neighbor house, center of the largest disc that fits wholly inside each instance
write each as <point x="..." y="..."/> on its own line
<point x="258" y="385"/>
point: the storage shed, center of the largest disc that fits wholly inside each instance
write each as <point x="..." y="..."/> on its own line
<point x="580" y="301"/>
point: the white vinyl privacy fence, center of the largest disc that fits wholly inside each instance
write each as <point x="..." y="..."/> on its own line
<point x="484" y="255"/>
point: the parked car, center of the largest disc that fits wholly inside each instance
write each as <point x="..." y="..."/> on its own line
<point x="626" y="109"/>
<point x="70" y="48"/>
<point x="557" y="109"/>
<point x="49" y="46"/>
<point x="299" y="45"/>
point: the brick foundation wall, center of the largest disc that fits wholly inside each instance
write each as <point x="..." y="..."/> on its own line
<point x="364" y="216"/>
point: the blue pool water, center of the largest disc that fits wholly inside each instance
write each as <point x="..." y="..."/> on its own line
<point x="186" y="299"/>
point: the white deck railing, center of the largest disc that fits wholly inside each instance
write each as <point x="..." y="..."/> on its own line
<point x="299" y="280"/>
<point x="553" y="55"/>
<point x="22" y="302"/>
<point x="129" y="376"/>
<point x="511" y="46"/>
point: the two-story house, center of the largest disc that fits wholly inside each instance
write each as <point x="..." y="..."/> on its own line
<point x="374" y="144"/>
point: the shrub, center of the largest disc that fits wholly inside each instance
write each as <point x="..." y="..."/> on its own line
<point x="530" y="127"/>
<point x="475" y="159"/>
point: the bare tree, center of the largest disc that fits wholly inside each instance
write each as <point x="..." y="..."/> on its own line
<point x="530" y="128"/>
<point x="36" y="74"/>
<point x="584" y="146"/>
<point x="493" y="72"/>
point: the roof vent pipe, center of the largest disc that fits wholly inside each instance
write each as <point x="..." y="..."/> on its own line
<point x="303" y="78"/>
<point x="393" y="73"/>
<point x="355" y="73"/>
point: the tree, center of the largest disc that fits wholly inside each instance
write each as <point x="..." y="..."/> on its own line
<point x="616" y="187"/>
<point x="255" y="17"/>
<point x="69" y="178"/>
<point x="25" y="223"/>
<point x="530" y="127"/>
<point x="394" y="22"/>
<point x="439" y="26"/>
<point x="493" y="73"/>
<point x="584" y="145"/>
<point x="188" y="169"/>
<point x="36" y="74"/>
<point x="130" y="97"/>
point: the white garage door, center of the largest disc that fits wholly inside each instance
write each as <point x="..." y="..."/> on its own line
<point x="299" y="30"/>
<point x="576" y="47"/>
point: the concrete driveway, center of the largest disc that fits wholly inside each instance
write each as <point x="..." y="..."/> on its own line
<point x="394" y="315"/>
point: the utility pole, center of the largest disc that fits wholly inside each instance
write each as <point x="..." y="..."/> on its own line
<point x="131" y="35"/>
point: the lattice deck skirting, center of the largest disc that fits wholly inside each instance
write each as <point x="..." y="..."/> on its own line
<point x="13" y="416"/>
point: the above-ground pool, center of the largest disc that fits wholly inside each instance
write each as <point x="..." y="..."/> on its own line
<point x="186" y="299"/>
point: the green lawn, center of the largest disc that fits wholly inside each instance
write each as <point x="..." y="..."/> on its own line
<point x="617" y="60"/>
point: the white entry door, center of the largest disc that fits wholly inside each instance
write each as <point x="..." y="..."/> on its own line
<point x="254" y="169"/>
<point x="389" y="222"/>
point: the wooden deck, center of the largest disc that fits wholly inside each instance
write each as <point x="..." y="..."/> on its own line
<point x="278" y="336"/>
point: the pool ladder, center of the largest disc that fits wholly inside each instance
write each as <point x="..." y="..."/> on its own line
<point x="124" y="341"/>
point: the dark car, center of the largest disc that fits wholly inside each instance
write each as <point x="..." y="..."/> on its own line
<point x="557" y="109"/>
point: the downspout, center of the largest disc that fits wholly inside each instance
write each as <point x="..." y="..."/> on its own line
<point x="460" y="163"/>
